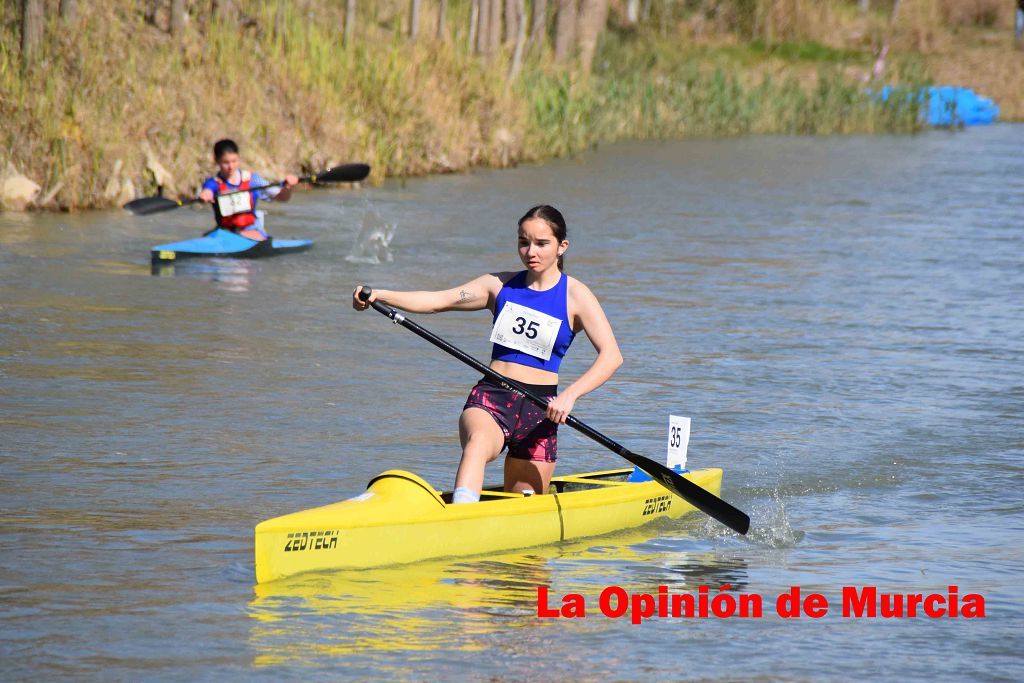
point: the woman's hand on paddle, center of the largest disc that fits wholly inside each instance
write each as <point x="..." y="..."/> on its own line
<point x="358" y="303"/>
<point x="560" y="406"/>
<point x="207" y="196"/>
<point x="291" y="180"/>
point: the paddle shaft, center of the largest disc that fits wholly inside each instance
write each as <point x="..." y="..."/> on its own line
<point x="148" y="205"/>
<point x="700" y="498"/>
<point x="347" y="173"/>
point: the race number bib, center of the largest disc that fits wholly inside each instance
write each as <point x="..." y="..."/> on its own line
<point x="230" y="204"/>
<point x="526" y="330"/>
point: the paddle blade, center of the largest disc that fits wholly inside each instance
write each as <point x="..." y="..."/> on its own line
<point x="346" y="173"/>
<point x="703" y="500"/>
<point x="148" y="205"/>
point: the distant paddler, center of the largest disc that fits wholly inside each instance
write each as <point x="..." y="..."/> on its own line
<point x="233" y="207"/>
<point x="346" y="173"/>
<point x="234" y="193"/>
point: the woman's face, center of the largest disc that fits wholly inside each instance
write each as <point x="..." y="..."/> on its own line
<point x="228" y="164"/>
<point x="538" y="247"/>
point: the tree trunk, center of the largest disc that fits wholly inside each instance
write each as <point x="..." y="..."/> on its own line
<point x="865" y="5"/>
<point x="31" y="31"/>
<point x="494" y="40"/>
<point x="895" y="12"/>
<point x="538" y="29"/>
<point x="511" y="21"/>
<point x="592" y="19"/>
<point x="483" y="30"/>
<point x="414" y="19"/>
<point x="632" y="12"/>
<point x="565" y="30"/>
<point x="519" y="9"/>
<point x="350" y="21"/>
<point x="474" y="22"/>
<point x="442" y="9"/>
<point x="177" y="23"/>
<point x="68" y="10"/>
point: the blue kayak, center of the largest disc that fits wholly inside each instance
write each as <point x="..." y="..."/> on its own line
<point x="225" y="243"/>
<point x="945" y="106"/>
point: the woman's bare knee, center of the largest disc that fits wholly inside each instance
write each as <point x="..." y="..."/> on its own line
<point x="522" y="475"/>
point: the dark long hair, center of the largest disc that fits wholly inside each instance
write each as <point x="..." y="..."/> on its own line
<point x="553" y="217"/>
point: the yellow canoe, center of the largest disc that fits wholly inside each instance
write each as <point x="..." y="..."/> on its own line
<point x="401" y="518"/>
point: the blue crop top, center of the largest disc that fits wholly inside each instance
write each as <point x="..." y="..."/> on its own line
<point x="552" y="302"/>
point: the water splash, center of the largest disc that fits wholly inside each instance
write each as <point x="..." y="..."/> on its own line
<point x="372" y="245"/>
<point x="769" y="527"/>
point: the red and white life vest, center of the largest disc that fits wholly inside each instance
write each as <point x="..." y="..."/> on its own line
<point x="234" y="211"/>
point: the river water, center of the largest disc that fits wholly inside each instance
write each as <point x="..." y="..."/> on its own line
<point x="841" y="317"/>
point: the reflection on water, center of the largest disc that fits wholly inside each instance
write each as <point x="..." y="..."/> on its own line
<point x="229" y="274"/>
<point x="363" y="616"/>
<point x="386" y="610"/>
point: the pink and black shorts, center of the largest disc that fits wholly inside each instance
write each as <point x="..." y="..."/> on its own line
<point x="529" y="435"/>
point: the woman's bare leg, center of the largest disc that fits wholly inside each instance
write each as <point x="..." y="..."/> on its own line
<point x="527" y="474"/>
<point x="482" y="441"/>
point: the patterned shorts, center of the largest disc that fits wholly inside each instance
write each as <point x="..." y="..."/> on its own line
<point x="529" y="435"/>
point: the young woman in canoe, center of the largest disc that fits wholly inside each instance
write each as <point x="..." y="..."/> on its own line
<point x="537" y="313"/>
<point x="237" y="212"/>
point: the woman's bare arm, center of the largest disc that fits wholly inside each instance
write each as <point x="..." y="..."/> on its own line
<point x="475" y="295"/>
<point x="609" y="358"/>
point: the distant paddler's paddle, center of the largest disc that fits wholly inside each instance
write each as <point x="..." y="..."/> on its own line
<point x="700" y="498"/>
<point x="347" y="173"/>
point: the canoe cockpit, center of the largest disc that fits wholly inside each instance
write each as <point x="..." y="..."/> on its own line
<point x="567" y="484"/>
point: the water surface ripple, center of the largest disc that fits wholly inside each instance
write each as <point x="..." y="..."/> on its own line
<point x="841" y="317"/>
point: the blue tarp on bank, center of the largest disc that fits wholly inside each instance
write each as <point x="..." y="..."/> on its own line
<point x="949" y="105"/>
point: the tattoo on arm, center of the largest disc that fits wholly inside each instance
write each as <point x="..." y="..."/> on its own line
<point x="464" y="296"/>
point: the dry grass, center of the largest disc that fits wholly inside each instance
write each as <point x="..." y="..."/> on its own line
<point x="996" y="75"/>
<point x="96" y="113"/>
<point x="116" y="101"/>
<point x="976" y="12"/>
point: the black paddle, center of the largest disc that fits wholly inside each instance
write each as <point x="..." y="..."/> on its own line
<point x="700" y="498"/>
<point x="347" y="173"/>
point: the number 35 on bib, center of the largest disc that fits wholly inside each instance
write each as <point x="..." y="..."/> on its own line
<point x="524" y="329"/>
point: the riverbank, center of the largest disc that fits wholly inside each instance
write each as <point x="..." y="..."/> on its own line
<point x="118" y="107"/>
